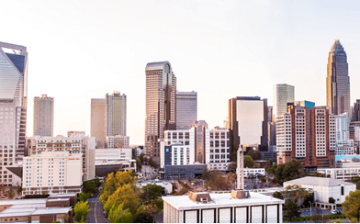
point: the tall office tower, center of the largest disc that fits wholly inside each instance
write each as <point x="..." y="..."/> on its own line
<point x="98" y="127"/>
<point x="160" y="106"/>
<point x="356" y="111"/>
<point x="43" y="116"/>
<point x="13" y="108"/>
<point x="309" y="135"/>
<point x="283" y="94"/>
<point x="248" y="123"/>
<point x="345" y="145"/>
<point x="338" y="81"/>
<point x="270" y="113"/>
<point x="115" y="114"/>
<point x="186" y="109"/>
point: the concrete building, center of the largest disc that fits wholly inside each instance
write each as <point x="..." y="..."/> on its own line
<point x="98" y="125"/>
<point x="237" y="206"/>
<point x="115" y="114"/>
<point x="253" y="172"/>
<point x="345" y="145"/>
<point x="338" y="81"/>
<point x="13" y="108"/>
<point x="117" y="141"/>
<point x="43" y="116"/>
<point x="307" y="135"/>
<point x="324" y="188"/>
<point x="186" y="109"/>
<point x="248" y="123"/>
<point x="83" y="145"/>
<point x="160" y="106"/>
<point x="270" y="113"/>
<point x="52" y="172"/>
<point x="74" y="133"/>
<point x="113" y="160"/>
<point x="282" y="95"/>
<point x="356" y="111"/>
<point x="345" y="174"/>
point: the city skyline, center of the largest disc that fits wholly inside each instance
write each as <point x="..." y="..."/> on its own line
<point x="232" y="47"/>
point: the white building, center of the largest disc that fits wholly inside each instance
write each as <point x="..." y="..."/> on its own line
<point x="167" y="186"/>
<point x="239" y="206"/>
<point x="108" y="157"/>
<point x="345" y="174"/>
<point x="324" y="188"/>
<point x="253" y="172"/>
<point x="345" y="145"/>
<point x="43" y="116"/>
<point x="74" y="133"/>
<point x="52" y="172"/>
<point x="117" y="141"/>
<point x="75" y="145"/>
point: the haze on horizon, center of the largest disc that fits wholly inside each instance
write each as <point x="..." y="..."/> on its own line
<point x="80" y="50"/>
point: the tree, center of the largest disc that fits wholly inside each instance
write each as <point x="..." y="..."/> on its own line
<point x="118" y="215"/>
<point x="331" y="200"/>
<point x="83" y="196"/>
<point x="125" y="195"/>
<point x="291" y="209"/>
<point x="232" y="167"/>
<point x="19" y="190"/>
<point x="141" y="157"/>
<point x="152" y="163"/>
<point x="277" y="195"/>
<point x="248" y="162"/>
<point x="356" y="180"/>
<point x="144" y="217"/>
<point x="351" y="205"/>
<point x="11" y="193"/>
<point x="150" y="192"/>
<point x="138" y="164"/>
<point x="254" y="154"/>
<point x="296" y="193"/>
<point x="316" y="218"/>
<point x="81" y="211"/>
<point x="206" y="174"/>
<point x="285" y="172"/>
<point x="308" y="199"/>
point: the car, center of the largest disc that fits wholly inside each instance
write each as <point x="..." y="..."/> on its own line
<point x="334" y="212"/>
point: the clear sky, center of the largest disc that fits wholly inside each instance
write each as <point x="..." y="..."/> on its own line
<point x="80" y="50"/>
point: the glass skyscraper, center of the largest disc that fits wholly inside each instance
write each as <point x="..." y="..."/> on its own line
<point x="115" y="114"/>
<point x="338" y="81"/>
<point x="186" y="110"/>
<point x="160" y="106"/>
<point x="283" y="94"/>
<point x="13" y="108"/>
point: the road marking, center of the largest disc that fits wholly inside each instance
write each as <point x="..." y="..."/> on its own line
<point x="95" y="213"/>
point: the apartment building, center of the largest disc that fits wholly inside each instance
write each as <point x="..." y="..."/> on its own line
<point x="117" y="141"/>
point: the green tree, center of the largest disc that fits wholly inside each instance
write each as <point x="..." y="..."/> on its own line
<point x="206" y="174"/>
<point x="277" y="195"/>
<point x="11" y="193"/>
<point x="232" y="167"/>
<point x="118" y="215"/>
<point x="351" y="205"/>
<point x="150" y="192"/>
<point x="254" y="154"/>
<point x="83" y="196"/>
<point x="89" y="186"/>
<point x="144" y="217"/>
<point x="141" y="157"/>
<point x="316" y="218"/>
<point x="291" y="209"/>
<point x="356" y="180"/>
<point x="19" y="190"/>
<point x="285" y="172"/>
<point x="125" y="195"/>
<point x="81" y="211"/>
<point x="296" y="193"/>
<point x="248" y="162"/>
<point x="152" y="163"/>
<point x="138" y="164"/>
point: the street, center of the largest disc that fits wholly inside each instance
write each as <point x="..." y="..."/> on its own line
<point x="306" y="211"/>
<point x="96" y="215"/>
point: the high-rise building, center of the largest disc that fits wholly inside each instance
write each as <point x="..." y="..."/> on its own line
<point x="117" y="142"/>
<point x="98" y="126"/>
<point x="338" y="81"/>
<point x="186" y="109"/>
<point x="43" y="116"/>
<point x="283" y="94"/>
<point x="356" y="111"/>
<point x="309" y="135"/>
<point x="270" y="113"/>
<point x="248" y="123"/>
<point x="345" y="145"/>
<point x="160" y="106"/>
<point x="13" y="108"/>
<point x="115" y="114"/>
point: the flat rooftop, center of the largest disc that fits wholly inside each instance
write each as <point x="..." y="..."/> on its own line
<point x="221" y="200"/>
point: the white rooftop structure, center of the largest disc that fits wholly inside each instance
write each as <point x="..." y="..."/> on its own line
<point x="316" y="181"/>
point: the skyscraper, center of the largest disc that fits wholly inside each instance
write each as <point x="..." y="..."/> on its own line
<point x="13" y="108"/>
<point x="98" y="127"/>
<point x="43" y="116"/>
<point x="338" y="81"/>
<point x="356" y="111"/>
<point x="186" y="110"/>
<point x="160" y="105"/>
<point x="283" y="94"/>
<point x="115" y="114"/>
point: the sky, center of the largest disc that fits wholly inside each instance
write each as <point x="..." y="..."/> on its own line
<point x="80" y="50"/>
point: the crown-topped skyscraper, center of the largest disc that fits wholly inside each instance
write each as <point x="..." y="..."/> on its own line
<point x="338" y="81"/>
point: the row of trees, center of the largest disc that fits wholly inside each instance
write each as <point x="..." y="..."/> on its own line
<point x="285" y="172"/>
<point x="125" y="202"/>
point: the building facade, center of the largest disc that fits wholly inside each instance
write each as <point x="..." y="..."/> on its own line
<point x="356" y="111"/>
<point x="75" y="145"/>
<point x="74" y="133"/>
<point x="338" y="81"/>
<point x="52" y="172"/>
<point x="98" y="125"/>
<point x="186" y="109"/>
<point x="13" y="108"/>
<point x="307" y="135"/>
<point x="160" y="106"/>
<point x="115" y="111"/>
<point x="282" y="95"/>
<point x="43" y="116"/>
<point x="117" y="141"/>
<point x="345" y="145"/>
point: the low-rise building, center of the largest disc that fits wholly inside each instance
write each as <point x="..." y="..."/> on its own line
<point x="112" y="160"/>
<point x="237" y="206"/>
<point x="166" y="186"/>
<point x="253" y="172"/>
<point x="344" y="174"/>
<point x="324" y="188"/>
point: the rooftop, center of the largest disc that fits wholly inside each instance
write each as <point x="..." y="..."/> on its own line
<point x="220" y="200"/>
<point x="316" y="181"/>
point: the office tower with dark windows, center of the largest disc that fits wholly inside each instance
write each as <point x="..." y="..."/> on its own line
<point x="248" y="123"/>
<point x="160" y="106"/>
<point x="283" y="94"/>
<point x="13" y="109"/>
<point x="98" y="125"/>
<point x="338" y="81"/>
<point x="356" y="111"/>
<point x="186" y="109"/>
<point x="43" y="116"/>
<point x="115" y="114"/>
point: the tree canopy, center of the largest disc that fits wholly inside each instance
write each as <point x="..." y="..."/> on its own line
<point x="285" y="172"/>
<point x="254" y="154"/>
<point x="118" y="215"/>
<point x="248" y="162"/>
<point x="291" y="209"/>
<point x="150" y="192"/>
<point x="351" y="205"/>
<point x="81" y="211"/>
